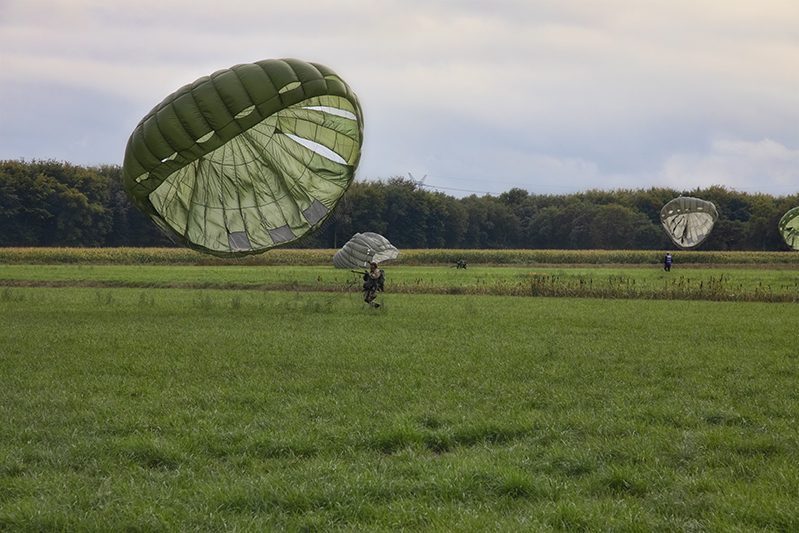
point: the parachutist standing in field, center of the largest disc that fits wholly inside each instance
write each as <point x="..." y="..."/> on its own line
<point x="373" y="281"/>
<point x="667" y="262"/>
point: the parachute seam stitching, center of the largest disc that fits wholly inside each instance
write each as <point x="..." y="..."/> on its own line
<point x="244" y="88"/>
<point x="192" y="203"/>
<point x="261" y="216"/>
<point x="280" y="176"/>
<point x="334" y="131"/>
<point x="158" y="122"/>
<point x="229" y="111"/>
<point x="171" y="191"/>
<point x="268" y="187"/>
<point x="221" y="194"/>
<point x="238" y="198"/>
<point x="201" y="114"/>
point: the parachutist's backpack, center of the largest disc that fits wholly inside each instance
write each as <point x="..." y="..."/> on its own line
<point x="371" y="283"/>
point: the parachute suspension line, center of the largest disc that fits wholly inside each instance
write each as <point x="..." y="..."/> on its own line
<point x="192" y="205"/>
<point x="238" y="189"/>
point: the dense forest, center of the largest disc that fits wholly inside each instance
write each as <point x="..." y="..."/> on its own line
<point x="50" y="203"/>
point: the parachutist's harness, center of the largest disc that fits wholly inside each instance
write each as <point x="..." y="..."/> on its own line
<point x="372" y="283"/>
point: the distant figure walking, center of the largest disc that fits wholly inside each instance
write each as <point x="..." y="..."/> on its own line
<point x="667" y="262"/>
<point x="460" y="264"/>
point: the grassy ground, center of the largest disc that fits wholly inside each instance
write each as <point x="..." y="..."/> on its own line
<point x="651" y="282"/>
<point x="152" y="409"/>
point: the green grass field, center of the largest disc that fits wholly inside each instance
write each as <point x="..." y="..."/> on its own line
<point x="145" y="408"/>
<point x="640" y="282"/>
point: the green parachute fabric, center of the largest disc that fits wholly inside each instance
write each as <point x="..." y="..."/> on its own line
<point x="789" y="228"/>
<point x="363" y="248"/>
<point x="688" y="221"/>
<point x="248" y="158"/>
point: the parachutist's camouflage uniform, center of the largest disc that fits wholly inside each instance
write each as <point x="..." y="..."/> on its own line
<point x="372" y="282"/>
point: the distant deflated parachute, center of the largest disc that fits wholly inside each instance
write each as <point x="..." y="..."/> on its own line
<point x="688" y="221"/>
<point x="248" y="158"/>
<point x="363" y="248"/>
<point x="789" y="228"/>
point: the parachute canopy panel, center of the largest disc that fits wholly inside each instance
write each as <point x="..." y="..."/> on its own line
<point x="789" y="228"/>
<point x="363" y="248"/>
<point x="248" y="158"/>
<point x="688" y="221"/>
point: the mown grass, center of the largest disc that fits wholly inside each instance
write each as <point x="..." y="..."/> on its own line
<point x="317" y="257"/>
<point x="149" y="409"/>
<point x="730" y="283"/>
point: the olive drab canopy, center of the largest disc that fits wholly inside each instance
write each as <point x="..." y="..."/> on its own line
<point x="688" y="221"/>
<point x="363" y="248"/>
<point x="248" y="158"/>
<point x="789" y="228"/>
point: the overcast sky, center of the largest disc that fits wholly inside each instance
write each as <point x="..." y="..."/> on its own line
<point x="550" y="96"/>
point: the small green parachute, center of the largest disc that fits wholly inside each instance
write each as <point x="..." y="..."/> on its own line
<point x="248" y="158"/>
<point x="688" y="221"/>
<point x="789" y="228"/>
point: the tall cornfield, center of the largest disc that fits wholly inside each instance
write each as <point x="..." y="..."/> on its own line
<point x="183" y="256"/>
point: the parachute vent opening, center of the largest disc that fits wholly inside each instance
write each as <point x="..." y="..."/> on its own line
<point x="205" y="137"/>
<point x="244" y="112"/>
<point x="317" y="148"/>
<point x="170" y="158"/>
<point x="142" y="177"/>
<point x="333" y="111"/>
<point x="286" y="88"/>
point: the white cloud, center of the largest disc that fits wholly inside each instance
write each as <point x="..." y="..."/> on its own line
<point x="594" y="94"/>
<point x="764" y="165"/>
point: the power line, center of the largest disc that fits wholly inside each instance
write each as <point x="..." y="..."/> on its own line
<point x="510" y="186"/>
<point x="437" y="187"/>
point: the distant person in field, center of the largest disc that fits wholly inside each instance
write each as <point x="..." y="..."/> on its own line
<point x="373" y="281"/>
<point x="460" y="264"/>
<point x="667" y="262"/>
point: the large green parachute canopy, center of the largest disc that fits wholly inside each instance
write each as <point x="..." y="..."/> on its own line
<point x="789" y="228"/>
<point x="363" y="248"/>
<point x="688" y="221"/>
<point x="248" y="158"/>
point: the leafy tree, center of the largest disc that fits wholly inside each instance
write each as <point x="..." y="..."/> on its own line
<point x="615" y="226"/>
<point x="405" y="214"/>
<point x="49" y="203"/>
<point x="53" y="204"/>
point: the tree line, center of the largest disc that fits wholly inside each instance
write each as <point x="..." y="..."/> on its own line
<point x="51" y="203"/>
